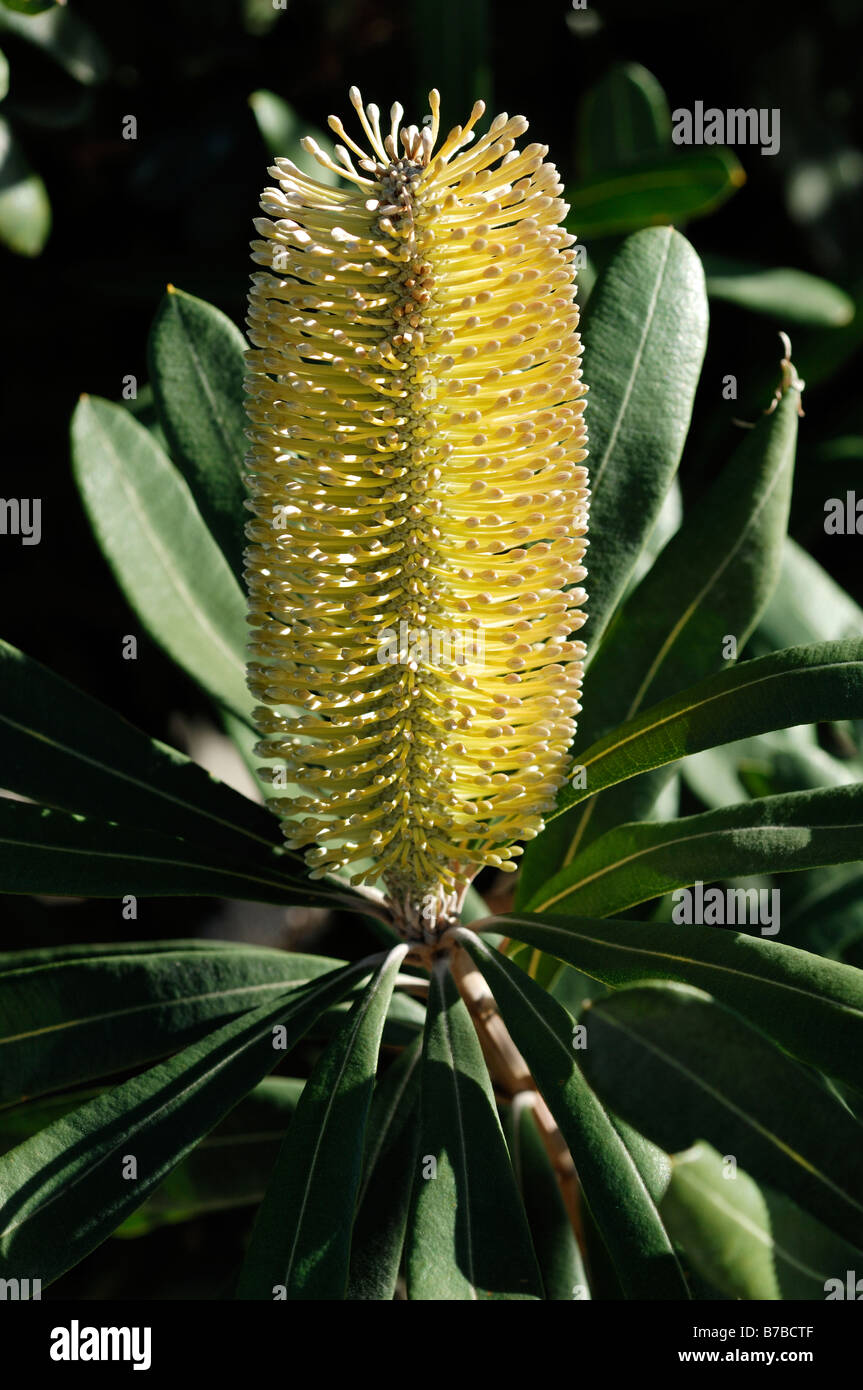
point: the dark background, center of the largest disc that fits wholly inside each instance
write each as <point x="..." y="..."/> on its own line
<point x="177" y="205"/>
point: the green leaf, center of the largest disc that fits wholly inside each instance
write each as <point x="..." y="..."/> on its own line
<point x="473" y="907"/>
<point x="772" y="834"/>
<point x="710" y="581"/>
<point x="840" y="448"/>
<point x="807" y="604"/>
<point x="157" y="1118"/>
<point x="669" y="188"/>
<point x="653" y="1163"/>
<point x="4" y="75"/>
<point x="745" y="1240"/>
<point x="828" y="916"/>
<point x="645" y="340"/>
<point x="797" y="686"/>
<point x="64" y="37"/>
<point x="543" y="969"/>
<point x="163" y="557"/>
<point x="301" y="1242"/>
<point x="405" y="1017"/>
<point x="784" y="760"/>
<point x="825" y="352"/>
<point x="624" y="118"/>
<point x="467" y="1233"/>
<point x="25" y="210"/>
<point x="283" y="131"/>
<point x="61" y="955"/>
<point x="383" y="1200"/>
<point x="668" y="523"/>
<point x="44" y="851"/>
<point x="613" y="1188"/>
<point x="64" y="749"/>
<point x="67" y="1020"/>
<point x="230" y="1168"/>
<point x="812" y="1007"/>
<point x="789" y="296"/>
<point x="679" y="1067"/>
<point x="20" y="1122"/>
<point x="721" y="1224"/>
<point x="248" y="1139"/>
<point x="563" y="1273"/>
<point x="197" y="363"/>
<point x="31" y="6"/>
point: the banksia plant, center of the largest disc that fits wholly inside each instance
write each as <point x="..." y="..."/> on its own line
<point x="419" y="503"/>
<point x="539" y="1102"/>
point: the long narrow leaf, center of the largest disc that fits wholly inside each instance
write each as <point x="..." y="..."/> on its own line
<point x="797" y="686"/>
<point x="679" y="1067"/>
<point x="786" y="295"/>
<point x="300" y="1247"/>
<point x="811" y="1006"/>
<point x="744" y="1239"/>
<point x="63" y="1191"/>
<point x="624" y="118"/>
<point x="467" y="1234"/>
<point x="644" y="344"/>
<point x="563" y="1273"/>
<point x="770" y="834"/>
<point x="383" y="1199"/>
<point x="230" y="1168"/>
<point x="45" y="851"/>
<point x="197" y="363"/>
<point x="622" y="1207"/>
<point x="64" y="1022"/>
<point x="62" y="748"/>
<point x="156" y="542"/>
<point x="671" y="187"/>
<point x="708" y="583"/>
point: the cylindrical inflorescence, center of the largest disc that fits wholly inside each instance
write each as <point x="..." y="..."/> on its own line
<point x="419" y="501"/>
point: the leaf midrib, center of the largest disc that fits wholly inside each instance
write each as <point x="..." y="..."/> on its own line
<point x="362" y="1011"/>
<point x="174" y="1100"/>
<point x="707" y="1193"/>
<point x="580" y="1080"/>
<point x="212" y="401"/>
<point x="717" y="833"/>
<point x="636" y="364"/>
<point x="174" y="575"/>
<point x="568" y="933"/>
<point x="93" y="853"/>
<point x="712" y="581"/>
<point x="681" y="711"/>
<point x="730" y="1105"/>
<point x="462" y="1142"/>
<point x="173" y="1001"/>
<point x="123" y="776"/>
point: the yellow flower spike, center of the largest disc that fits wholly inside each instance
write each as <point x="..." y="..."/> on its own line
<point x="419" y="503"/>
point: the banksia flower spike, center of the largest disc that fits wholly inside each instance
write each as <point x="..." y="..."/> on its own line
<point x="419" y="503"/>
